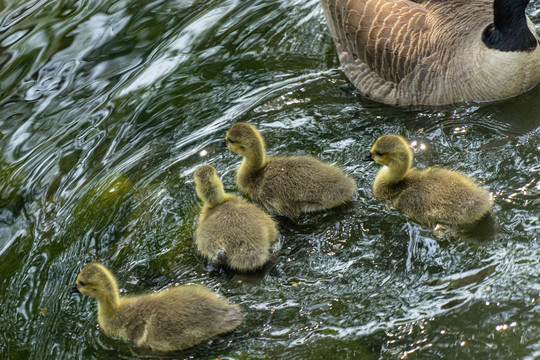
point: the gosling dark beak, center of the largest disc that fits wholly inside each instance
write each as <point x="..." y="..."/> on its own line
<point x="223" y="144"/>
<point x="368" y="157"/>
<point x="74" y="290"/>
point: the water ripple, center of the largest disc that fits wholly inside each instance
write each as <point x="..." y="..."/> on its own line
<point x="107" y="109"/>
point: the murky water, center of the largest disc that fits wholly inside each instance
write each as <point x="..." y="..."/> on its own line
<point x="107" y="107"/>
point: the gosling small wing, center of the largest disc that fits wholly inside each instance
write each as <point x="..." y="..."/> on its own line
<point x="136" y="330"/>
<point x="181" y="317"/>
<point x="131" y="322"/>
<point x="292" y="185"/>
<point x="439" y="196"/>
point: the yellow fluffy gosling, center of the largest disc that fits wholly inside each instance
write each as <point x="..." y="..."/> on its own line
<point x="231" y="227"/>
<point x="287" y="185"/>
<point x="173" y="319"/>
<point x="431" y="196"/>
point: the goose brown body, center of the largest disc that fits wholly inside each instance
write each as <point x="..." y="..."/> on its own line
<point x="431" y="196"/>
<point x="287" y="185"/>
<point x="173" y="319"/>
<point x="429" y="52"/>
<point x="228" y="224"/>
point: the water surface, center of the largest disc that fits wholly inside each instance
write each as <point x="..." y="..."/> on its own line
<point x="107" y="107"/>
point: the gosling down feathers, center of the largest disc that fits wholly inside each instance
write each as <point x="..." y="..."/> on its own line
<point x="287" y="185"/>
<point x="431" y="196"/>
<point x="173" y="319"/>
<point x="231" y="226"/>
<point x="435" y="52"/>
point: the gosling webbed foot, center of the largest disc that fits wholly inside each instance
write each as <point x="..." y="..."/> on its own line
<point x="218" y="262"/>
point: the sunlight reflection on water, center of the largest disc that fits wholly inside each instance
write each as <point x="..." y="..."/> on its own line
<point x="107" y="109"/>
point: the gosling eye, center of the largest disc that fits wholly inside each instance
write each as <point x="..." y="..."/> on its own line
<point x="231" y="141"/>
<point x="378" y="153"/>
<point x="81" y="283"/>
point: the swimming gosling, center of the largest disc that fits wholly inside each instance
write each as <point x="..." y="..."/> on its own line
<point x="173" y="319"/>
<point x="230" y="227"/>
<point x="431" y="196"/>
<point x="287" y="185"/>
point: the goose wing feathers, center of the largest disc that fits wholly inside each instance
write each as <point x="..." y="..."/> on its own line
<point x="375" y="32"/>
<point x="377" y="36"/>
<point x="425" y="52"/>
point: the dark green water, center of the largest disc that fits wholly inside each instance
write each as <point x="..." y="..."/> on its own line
<point x="107" y="107"/>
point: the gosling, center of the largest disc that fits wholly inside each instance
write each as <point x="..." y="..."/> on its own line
<point x="231" y="230"/>
<point x="289" y="186"/>
<point x="432" y="196"/>
<point x="173" y="319"/>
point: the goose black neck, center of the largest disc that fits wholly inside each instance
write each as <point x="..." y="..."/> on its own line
<point x="509" y="30"/>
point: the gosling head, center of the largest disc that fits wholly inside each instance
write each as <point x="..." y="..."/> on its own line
<point x="245" y="140"/>
<point x="392" y="151"/>
<point x="95" y="280"/>
<point x="208" y="185"/>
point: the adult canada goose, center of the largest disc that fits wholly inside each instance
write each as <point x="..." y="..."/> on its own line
<point x="431" y="196"/>
<point x="435" y="52"/>
<point x="173" y="319"/>
<point x="230" y="229"/>
<point x="287" y="185"/>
